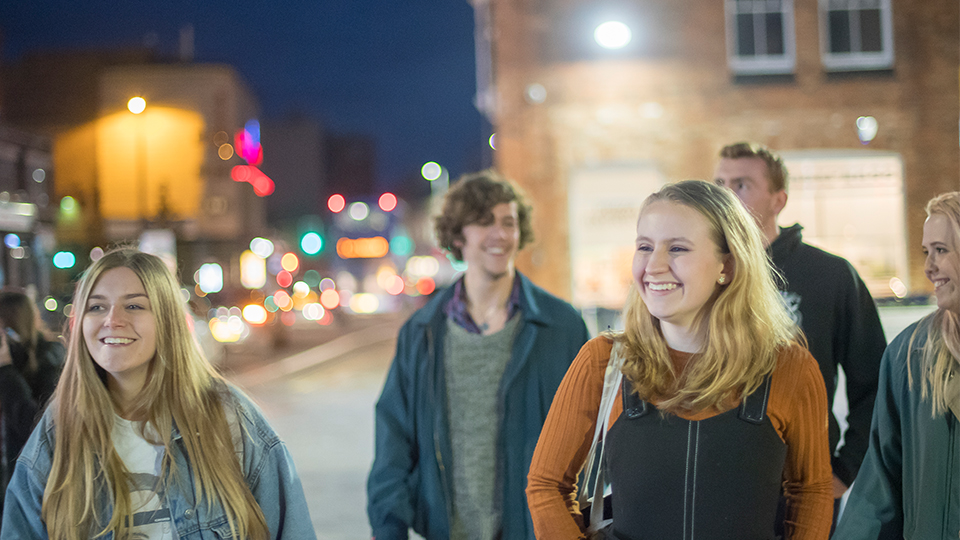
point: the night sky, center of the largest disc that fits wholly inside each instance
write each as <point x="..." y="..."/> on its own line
<point x="400" y="71"/>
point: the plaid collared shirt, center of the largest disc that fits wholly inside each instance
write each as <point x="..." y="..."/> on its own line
<point x="456" y="308"/>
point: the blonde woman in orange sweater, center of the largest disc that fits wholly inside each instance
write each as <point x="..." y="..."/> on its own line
<point x="720" y="404"/>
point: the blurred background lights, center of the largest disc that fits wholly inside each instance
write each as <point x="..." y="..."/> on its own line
<point x="255" y="314"/>
<point x="225" y="151"/>
<point x="535" y="93"/>
<point x="68" y="204"/>
<point x="431" y="170"/>
<point x="898" y="288"/>
<point x="313" y="312"/>
<point x="96" y="253"/>
<point x="39" y="175"/>
<point x="387" y="202"/>
<point x="492" y="141"/>
<point x="300" y="288"/>
<point x="395" y="285"/>
<point x="312" y="278"/>
<point x="359" y="211"/>
<point x="210" y="278"/>
<point x="262" y="247"/>
<point x="18" y="252"/>
<point x="326" y="283"/>
<point x="64" y="259"/>
<point x="612" y="35"/>
<point x="311" y="243"/>
<point x="50" y="303"/>
<point x="284" y="279"/>
<point x="253" y="270"/>
<point x="136" y="105"/>
<point x="330" y="298"/>
<point x="336" y="203"/>
<point x="401" y="245"/>
<point x="290" y="262"/>
<point x="11" y="241"/>
<point x="866" y="128"/>
<point x="364" y="303"/>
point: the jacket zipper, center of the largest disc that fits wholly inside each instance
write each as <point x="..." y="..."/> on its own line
<point x="448" y="497"/>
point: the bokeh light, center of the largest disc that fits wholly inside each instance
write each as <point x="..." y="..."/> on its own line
<point x="431" y="170"/>
<point x="336" y="203"/>
<point x="64" y="259"/>
<point x="290" y="262"/>
<point x="612" y="35"/>
<point x="330" y="298"/>
<point x="387" y="202"/>
<point x="136" y="105"/>
<point x="255" y="314"/>
<point x="262" y="247"/>
<point x="359" y="211"/>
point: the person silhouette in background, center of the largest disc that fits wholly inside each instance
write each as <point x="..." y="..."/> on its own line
<point x="826" y="297"/>
<point x="30" y="365"/>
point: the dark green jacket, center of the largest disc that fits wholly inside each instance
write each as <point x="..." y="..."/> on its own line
<point x="909" y="483"/>
<point x="410" y="485"/>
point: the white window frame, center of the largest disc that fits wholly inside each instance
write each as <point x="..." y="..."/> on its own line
<point x="857" y="60"/>
<point x="761" y="64"/>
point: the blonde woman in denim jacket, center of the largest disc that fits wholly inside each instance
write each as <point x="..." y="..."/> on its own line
<point x="142" y="438"/>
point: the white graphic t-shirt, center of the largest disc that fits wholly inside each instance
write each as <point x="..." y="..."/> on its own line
<point x="151" y="517"/>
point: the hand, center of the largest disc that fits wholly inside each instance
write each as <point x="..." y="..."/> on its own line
<point x="839" y="488"/>
<point x="5" y="357"/>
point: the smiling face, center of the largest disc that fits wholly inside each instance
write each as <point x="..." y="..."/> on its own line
<point x="490" y="246"/>
<point x="942" y="262"/>
<point x="677" y="263"/>
<point x="119" y="329"/>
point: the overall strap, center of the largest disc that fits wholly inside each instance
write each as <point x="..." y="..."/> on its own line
<point x="753" y="408"/>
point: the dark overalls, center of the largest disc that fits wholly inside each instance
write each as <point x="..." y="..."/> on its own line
<point x="676" y="479"/>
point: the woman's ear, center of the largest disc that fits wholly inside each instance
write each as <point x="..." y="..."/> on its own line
<point x="729" y="267"/>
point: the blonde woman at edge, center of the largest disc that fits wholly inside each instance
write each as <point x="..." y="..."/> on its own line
<point x="143" y="440"/>
<point x="909" y="484"/>
<point x="720" y="405"/>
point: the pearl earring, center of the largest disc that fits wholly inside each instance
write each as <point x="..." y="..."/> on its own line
<point x="722" y="279"/>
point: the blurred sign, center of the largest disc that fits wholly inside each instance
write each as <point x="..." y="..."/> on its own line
<point x="17" y="217"/>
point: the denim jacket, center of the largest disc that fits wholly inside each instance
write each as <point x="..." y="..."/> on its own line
<point x="267" y="468"/>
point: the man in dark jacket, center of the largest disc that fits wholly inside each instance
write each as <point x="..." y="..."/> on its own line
<point x="825" y="295"/>
<point x="474" y="375"/>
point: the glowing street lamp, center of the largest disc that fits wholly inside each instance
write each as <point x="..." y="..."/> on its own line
<point x="136" y="105"/>
<point x="612" y="35"/>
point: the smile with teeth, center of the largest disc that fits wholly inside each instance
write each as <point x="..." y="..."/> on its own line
<point x="938" y="282"/>
<point x="117" y="341"/>
<point x="662" y="286"/>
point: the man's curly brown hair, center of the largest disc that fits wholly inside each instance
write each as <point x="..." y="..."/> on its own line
<point x="471" y="200"/>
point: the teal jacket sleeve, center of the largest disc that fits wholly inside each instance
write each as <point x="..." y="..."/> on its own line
<point x="874" y="510"/>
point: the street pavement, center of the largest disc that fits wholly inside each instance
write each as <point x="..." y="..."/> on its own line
<point x="320" y="400"/>
<point x="318" y="386"/>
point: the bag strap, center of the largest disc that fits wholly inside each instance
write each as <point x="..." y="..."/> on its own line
<point x="593" y="482"/>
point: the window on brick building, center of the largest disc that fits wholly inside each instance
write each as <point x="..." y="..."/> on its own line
<point x="856" y="34"/>
<point x="760" y="36"/>
<point x="851" y="202"/>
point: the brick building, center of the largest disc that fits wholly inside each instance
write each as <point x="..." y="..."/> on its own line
<point x="860" y="96"/>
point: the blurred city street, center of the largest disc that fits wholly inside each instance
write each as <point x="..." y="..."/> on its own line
<point x="319" y="391"/>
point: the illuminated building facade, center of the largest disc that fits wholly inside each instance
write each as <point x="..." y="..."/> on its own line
<point x="860" y="97"/>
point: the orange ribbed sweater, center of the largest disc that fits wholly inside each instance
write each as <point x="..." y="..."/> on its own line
<point x="797" y="410"/>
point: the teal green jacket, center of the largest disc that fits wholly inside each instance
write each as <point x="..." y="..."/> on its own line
<point x="909" y="484"/>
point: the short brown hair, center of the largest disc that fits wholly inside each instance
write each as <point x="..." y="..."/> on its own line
<point x="776" y="170"/>
<point x="471" y="200"/>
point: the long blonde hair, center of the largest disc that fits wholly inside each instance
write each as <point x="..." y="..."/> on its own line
<point x="745" y="322"/>
<point x="942" y="349"/>
<point x="181" y="388"/>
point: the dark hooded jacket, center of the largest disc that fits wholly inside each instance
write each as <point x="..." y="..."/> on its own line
<point x="839" y="317"/>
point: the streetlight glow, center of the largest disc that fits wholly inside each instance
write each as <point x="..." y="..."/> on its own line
<point x="612" y="35"/>
<point x="136" y="105"/>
